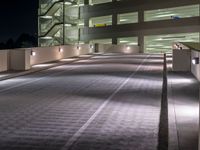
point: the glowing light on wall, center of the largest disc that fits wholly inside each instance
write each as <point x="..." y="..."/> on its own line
<point x="195" y="60"/>
<point x="128" y="47"/>
<point x="61" y="50"/>
<point x="78" y="47"/>
<point x="33" y="53"/>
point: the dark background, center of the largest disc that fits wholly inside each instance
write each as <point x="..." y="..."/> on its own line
<point x="18" y="17"/>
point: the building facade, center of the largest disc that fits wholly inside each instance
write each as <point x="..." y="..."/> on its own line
<point x="153" y="25"/>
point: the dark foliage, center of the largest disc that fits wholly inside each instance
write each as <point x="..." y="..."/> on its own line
<point x="23" y="41"/>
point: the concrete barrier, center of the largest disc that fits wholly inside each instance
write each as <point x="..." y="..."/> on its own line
<point x="187" y="58"/>
<point x="181" y="60"/>
<point x="48" y="54"/>
<point x="195" y="68"/>
<point x="125" y="49"/>
<point x="19" y="59"/>
<point x="25" y="58"/>
<point x="3" y="60"/>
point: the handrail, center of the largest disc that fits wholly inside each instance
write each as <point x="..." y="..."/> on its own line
<point x="43" y="14"/>
<point x="54" y="20"/>
<point x="59" y="23"/>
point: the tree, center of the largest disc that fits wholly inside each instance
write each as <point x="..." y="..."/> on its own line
<point x="10" y="44"/>
<point x="25" y="41"/>
<point x="2" y="45"/>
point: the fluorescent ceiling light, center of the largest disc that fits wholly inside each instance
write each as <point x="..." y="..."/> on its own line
<point x="68" y="25"/>
<point x="122" y="20"/>
<point x="166" y="15"/>
<point x="47" y="38"/>
<point x="46" y="17"/>
<point x="68" y="3"/>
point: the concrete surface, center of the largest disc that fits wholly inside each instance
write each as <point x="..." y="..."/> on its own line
<point x="109" y="102"/>
<point x="39" y="67"/>
<point x="183" y="100"/>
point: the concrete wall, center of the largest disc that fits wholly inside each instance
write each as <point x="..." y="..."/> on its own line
<point x="3" y="60"/>
<point x="195" y="68"/>
<point x="22" y="59"/>
<point x="118" y="49"/>
<point x="181" y="60"/>
<point x="19" y="59"/>
<point x="48" y="54"/>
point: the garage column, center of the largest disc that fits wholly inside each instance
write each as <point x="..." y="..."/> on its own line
<point x="114" y="23"/>
<point x="86" y="2"/>
<point x="141" y="43"/>
<point x="141" y="37"/>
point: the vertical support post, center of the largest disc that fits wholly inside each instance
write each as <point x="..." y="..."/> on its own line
<point x="141" y="37"/>
<point x="114" y="41"/>
<point x="86" y="2"/>
<point x="141" y="43"/>
<point x="114" y="23"/>
<point x="63" y="22"/>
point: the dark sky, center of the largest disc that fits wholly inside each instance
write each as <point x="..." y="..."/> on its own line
<point x="17" y="17"/>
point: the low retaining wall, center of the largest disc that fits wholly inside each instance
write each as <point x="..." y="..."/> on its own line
<point x="184" y="60"/>
<point x="48" y="54"/>
<point x="181" y="60"/>
<point x="3" y="60"/>
<point x="195" y="68"/>
<point x="125" y="49"/>
<point x="25" y="58"/>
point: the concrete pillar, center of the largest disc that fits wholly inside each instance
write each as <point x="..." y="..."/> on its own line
<point x="141" y="37"/>
<point x="86" y="2"/>
<point x="141" y="43"/>
<point x="86" y="22"/>
<point x="114" y="19"/>
<point x="141" y="16"/>
<point x="114" y="41"/>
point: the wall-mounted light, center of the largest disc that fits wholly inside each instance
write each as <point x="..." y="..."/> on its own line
<point x="91" y="46"/>
<point x="128" y="47"/>
<point x="78" y="47"/>
<point x="60" y="50"/>
<point x="33" y="53"/>
<point x="195" y="60"/>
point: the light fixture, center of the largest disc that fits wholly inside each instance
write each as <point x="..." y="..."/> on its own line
<point x="33" y="53"/>
<point x="68" y="25"/>
<point x="68" y="3"/>
<point x="91" y="46"/>
<point x="195" y="60"/>
<point x="60" y="50"/>
<point x="78" y="47"/>
<point x="128" y="47"/>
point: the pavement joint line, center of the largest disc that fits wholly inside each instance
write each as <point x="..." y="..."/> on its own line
<point x="75" y="137"/>
<point x="57" y="73"/>
<point x="38" y="70"/>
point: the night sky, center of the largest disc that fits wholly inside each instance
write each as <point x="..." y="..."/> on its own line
<point x="17" y="17"/>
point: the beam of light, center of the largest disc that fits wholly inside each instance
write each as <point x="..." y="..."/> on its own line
<point x="43" y="65"/>
<point x="187" y="111"/>
<point x="182" y="81"/>
<point x="68" y="59"/>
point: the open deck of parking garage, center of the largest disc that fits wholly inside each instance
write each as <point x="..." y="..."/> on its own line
<point x="107" y="102"/>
